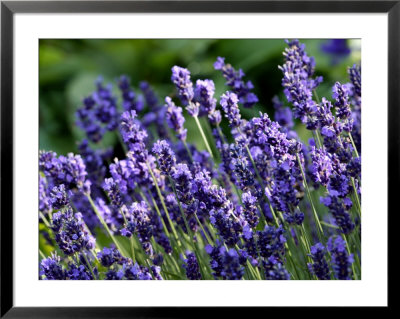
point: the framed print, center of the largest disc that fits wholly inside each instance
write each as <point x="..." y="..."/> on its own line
<point x="196" y="154"/>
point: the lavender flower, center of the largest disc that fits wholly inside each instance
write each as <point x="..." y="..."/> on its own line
<point x="241" y="166"/>
<point x="337" y="49"/>
<point x="78" y="272"/>
<point x="283" y="115"/>
<point x="298" y="82"/>
<point x="59" y="197"/>
<point x="271" y="242"/>
<point x="129" y="101"/>
<point x="113" y="191"/>
<point x="274" y="270"/>
<point x="175" y="119"/>
<point x="339" y="211"/>
<point x="149" y="95"/>
<point x="225" y="263"/>
<point x="70" y="233"/>
<point x="204" y="94"/>
<point x="183" y="183"/>
<point x="341" y="260"/>
<point x="250" y="209"/>
<point x="321" y="168"/>
<point x="234" y="80"/>
<point x="229" y="104"/>
<point x="192" y="266"/>
<point x="98" y="113"/>
<point x="181" y="78"/>
<point x="229" y="222"/>
<point x="52" y="269"/>
<point x="131" y="132"/>
<point x="140" y="224"/>
<point x="136" y="272"/>
<point x="44" y="198"/>
<point x="319" y="267"/>
<point x="165" y="156"/>
<point x="109" y="256"/>
<point x="341" y="95"/>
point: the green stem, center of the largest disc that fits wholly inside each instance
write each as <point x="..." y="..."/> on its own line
<point x="89" y="266"/>
<point x="203" y="136"/>
<point x="131" y="239"/>
<point x="164" y="207"/>
<point x="204" y="231"/>
<point x="45" y="221"/>
<point x="104" y="224"/>
<point x="41" y="254"/>
<point x="356" y="196"/>
<point x="188" y="151"/>
<point x="349" y="252"/>
<point x="319" y="227"/>
<point x="354" y="145"/>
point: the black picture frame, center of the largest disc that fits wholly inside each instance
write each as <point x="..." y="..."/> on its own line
<point x="9" y="8"/>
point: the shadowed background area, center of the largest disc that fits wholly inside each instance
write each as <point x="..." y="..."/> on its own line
<point x="69" y="68"/>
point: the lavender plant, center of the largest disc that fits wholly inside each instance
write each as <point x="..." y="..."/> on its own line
<point x="267" y="206"/>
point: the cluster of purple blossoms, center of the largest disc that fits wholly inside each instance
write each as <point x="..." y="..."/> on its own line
<point x="140" y="224"/>
<point x="52" y="269"/>
<point x="250" y="209"/>
<point x="244" y="176"/>
<point x="44" y="199"/>
<point x="156" y="112"/>
<point x="247" y="213"/>
<point x="319" y="267"/>
<point x="234" y="79"/>
<point x="175" y="119"/>
<point x="165" y="156"/>
<point x="59" y="197"/>
<point x="191" y="266"/>
<point x="229" y="102"/>
<point x="225" y="263"/>
<point x="181" y="78"/>
<point x="337" y="49"/>
<point x="69" y="170"/>
<point x="274" y="270"/>
<point x="129" y="100"/>
<point x="355" y="96"/>
<point x="109" y="256"/>
<point x="99" y="113"/>
<point x="131" y="132"/>
<point x="70" y="232"/>
<point x="341" y="260"/>
<point x="298" y="81"/>
<point x="284" y="117"/>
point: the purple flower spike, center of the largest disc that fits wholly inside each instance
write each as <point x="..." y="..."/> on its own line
<point x="59" y="197"/>
<point x="341" y="260"/>
<point x="165" y="156"/>
<point x="341" y="95"/>
<point x="131" y="132"/>
<point x="229" y="102"/>
<point x="234" y="80"/>
<point x="181" y="78"/>
<point x="70" y="232"/>
<point x="204" y="94"/>
<point x="175" y="119"/>
<point x="319" y="267"/>
<point x="129" y="99"/>
<point x="52" y="269"/>
<point x="192" y="266"/>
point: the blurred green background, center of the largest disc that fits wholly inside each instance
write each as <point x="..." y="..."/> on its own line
<point x="69" y="68"/>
